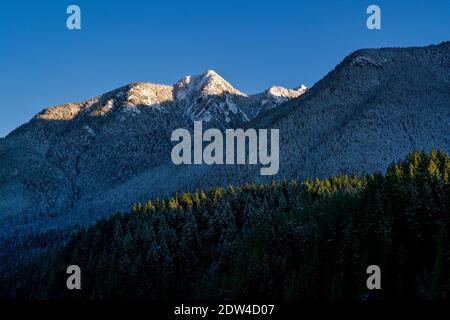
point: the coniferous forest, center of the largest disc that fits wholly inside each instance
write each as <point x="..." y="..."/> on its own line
<point x="310" y="240"/>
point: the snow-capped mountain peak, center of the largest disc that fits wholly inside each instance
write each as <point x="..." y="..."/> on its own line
<point x="127" y="100"/>
<point x="278" y="91"/>
<point x="273" y="97"/>
<point x="209" y="83"/>
<point x="206" y="97"/>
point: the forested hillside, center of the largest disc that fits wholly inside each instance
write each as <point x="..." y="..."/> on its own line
<point x="76" y="163"/>
<point x="290" y="240"/>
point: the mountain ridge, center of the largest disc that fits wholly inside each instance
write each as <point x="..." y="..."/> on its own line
<point x="155" y="95"/>
<point x="72" y="151"/>
<point x="371" y="110"/>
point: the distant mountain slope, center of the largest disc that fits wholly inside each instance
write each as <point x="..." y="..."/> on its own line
<point x="74" y="163"/>
<point x="372" y="109"/>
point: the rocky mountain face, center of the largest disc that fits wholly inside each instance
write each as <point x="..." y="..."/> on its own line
<point x="209" y="98"/>
<point x="74" y="163"/>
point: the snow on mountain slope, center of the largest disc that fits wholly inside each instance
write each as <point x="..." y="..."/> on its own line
<point x="273" y="97"/>
<point x="206" y="97"/>
<point x="371" y="110"/>
<point x="74" y="163"/>
<point x="207" y="84"/>
<point x="72" y="153"/>
<point x="209" y="97"/>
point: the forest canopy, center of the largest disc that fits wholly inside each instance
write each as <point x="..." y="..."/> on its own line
<point x="284" y="240"/>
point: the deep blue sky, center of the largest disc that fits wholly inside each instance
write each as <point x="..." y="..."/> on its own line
<point x="252" y="44"/>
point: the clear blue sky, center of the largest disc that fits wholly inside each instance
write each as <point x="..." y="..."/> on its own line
<point x="253" y="44"/>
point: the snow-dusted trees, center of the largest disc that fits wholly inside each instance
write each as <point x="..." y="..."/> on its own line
<point x="280" y="240"/>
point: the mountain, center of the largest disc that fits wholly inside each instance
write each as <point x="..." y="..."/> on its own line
<point x="210" y="98"/>
<point x="372" y="109"/>
<point x="75" y="163"/>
